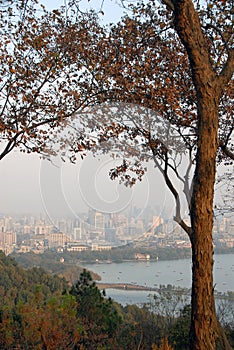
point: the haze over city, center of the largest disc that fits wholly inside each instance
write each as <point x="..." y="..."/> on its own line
<point x="30" y="184"/>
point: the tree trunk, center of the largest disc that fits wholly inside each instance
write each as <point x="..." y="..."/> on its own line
<point x="206" y="332"/>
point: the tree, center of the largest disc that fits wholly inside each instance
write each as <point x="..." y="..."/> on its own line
<point x="210" y="79"/>
<point x="167" y="303"/>
<point x="43" y="80"/>
<point x="142" y="328"/>
<point x="98" y="315"/>
<point x="35" y="311"/>
<point x="164" y="345"/>
<point x="173" y="65"/>
<point x="179" y="334"/>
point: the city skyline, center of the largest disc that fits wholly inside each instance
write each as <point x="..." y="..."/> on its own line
<point x="98" y="231"/>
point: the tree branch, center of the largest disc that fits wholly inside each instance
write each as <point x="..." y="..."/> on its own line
<point x="226" y="150"/>
<point x="187" y="189"/>
<point x="169" y="4"/>
<point x="227" y="71"/>
<point x="177" y="218"/>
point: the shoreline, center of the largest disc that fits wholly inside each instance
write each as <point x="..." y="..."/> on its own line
<point x="124" y="286"/>
<point x="136" y="287"/>
<point x="217" y="252"/>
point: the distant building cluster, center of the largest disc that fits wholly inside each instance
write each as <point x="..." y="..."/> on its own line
<point x="99" y="231"/>
<point x="139" y="256"/>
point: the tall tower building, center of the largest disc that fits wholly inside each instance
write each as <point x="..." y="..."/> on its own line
<point x="99" y="221"/>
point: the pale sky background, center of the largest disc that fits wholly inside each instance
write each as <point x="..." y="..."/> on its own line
<point x="31" y="185"/>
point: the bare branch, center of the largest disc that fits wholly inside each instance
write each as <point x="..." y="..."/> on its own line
<point x="169" y="4"/>
<point x="227" y="71"/>
<point x="171" y="187"/>
<point x="225" y="150"/>
<point x="187" y="188"/>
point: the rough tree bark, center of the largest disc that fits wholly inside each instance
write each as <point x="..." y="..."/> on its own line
<point x="205" y="331"/>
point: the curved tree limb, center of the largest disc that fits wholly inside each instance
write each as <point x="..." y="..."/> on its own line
<point x="177" y="218"/>
<point x="226" y="150"/>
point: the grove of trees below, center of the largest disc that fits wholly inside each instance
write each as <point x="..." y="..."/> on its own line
<point x="42" y="311"/>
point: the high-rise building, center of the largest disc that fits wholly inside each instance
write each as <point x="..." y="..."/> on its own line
<point x="96" y="220"/>
<point x="9" y="238"/>
<point x="99" y="221"/>
<point x="110" y="234"/>
<point x="58" y="239"/>
<point x="77" y="233"/>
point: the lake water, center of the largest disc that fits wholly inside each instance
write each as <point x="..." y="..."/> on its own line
<point x="156" y="273"/>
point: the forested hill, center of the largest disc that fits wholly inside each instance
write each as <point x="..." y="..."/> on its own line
<point x="41" y="311"/>
<point x="51" y="262"/>
<point x="20" y="285"/>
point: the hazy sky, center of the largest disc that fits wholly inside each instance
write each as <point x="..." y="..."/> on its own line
<point x="29" y="184"/>
<point x="112" y="10"/>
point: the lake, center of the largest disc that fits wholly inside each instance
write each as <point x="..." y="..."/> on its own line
<point x="156" y="273"/>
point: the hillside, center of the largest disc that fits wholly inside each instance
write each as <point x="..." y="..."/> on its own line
<point x="53" y="263"/>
